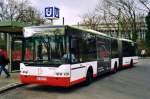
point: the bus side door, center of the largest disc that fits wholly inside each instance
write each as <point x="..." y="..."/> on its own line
<point x="103" y="55"/>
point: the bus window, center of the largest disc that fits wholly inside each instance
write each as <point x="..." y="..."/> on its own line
<point x="103" y="48"/>
<point x="74" y="50"/>
<point x="87" y="48"/>
<point x="129" y="49"/>
<point x="74" y="43"/>
<point x="29" y="50"/>
<point x="114" y="48"/>
<point x="48" y="49"/>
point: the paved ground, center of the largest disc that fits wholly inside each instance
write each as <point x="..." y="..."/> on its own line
<point x="131" y="83"/>
<point x="7" y="81"/>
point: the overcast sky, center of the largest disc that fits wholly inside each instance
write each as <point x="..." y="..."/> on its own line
<point x="70" y="9"/>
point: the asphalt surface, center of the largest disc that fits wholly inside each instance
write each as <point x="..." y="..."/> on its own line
<point x="133" y="83"/>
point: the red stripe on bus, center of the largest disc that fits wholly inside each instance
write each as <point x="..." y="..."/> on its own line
<point x="78" y="81"/>
<point x="51" y="81"/>
<point x="94" y="75"/>
<point x="126" y="65"/>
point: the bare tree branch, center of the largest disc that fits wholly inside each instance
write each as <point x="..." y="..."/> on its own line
<point x="145" y="3"/>
<point x="15" y="10"/>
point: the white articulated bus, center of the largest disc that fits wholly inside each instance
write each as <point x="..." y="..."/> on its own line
<point x="67" y="55"/>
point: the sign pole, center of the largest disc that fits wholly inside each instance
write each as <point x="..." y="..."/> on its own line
<point x="52" y="21"/>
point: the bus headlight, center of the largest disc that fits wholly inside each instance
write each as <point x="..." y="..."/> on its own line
<point x="66" y="74"/>
<point x="62" y="74"/>
<point x="58" y="73"/>
<point x="24" y="72"/>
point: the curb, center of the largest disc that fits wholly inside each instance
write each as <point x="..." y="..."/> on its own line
<point x="10" y="87"/>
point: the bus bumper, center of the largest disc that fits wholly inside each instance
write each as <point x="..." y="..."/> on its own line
<point x="51" y="81"/>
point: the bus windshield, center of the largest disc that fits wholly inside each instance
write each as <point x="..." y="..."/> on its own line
<point x="46" y="50"/>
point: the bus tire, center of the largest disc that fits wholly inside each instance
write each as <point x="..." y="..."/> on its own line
<point x="131" y="63"/>
<point x="89" y="76"/>
<point x="115" y="68"/>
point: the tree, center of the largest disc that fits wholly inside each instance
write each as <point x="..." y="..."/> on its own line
<point x="14" y="10"/>
<point x="125" y="12"/>
<point x="145" y="3"/>
<point x="91" y="20"/>
<point x="148" y="30"/>
<point x="122" y="15"/>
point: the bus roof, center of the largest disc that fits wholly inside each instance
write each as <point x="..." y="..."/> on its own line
<point x="122" y="39"/>
<point x="45" y="29"/>
<point x="89" y="30"/>
<point x="42" y="30"/>
<point x="46" y="26"/>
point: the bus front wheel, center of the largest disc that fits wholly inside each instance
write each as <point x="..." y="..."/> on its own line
<point x="115" y="68"/>
<point x="89" y="76"/>
<point x="131" y="63"/>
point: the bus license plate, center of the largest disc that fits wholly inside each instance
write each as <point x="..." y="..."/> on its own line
<point x="41" y="78"/>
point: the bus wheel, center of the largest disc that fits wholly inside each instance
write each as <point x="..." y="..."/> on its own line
<point x="115" y="68"/>
<point x="131" y="63"/>
<point x="89" y="76"/>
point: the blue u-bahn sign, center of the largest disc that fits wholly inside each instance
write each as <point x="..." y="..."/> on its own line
<point x="52" y="12"/>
